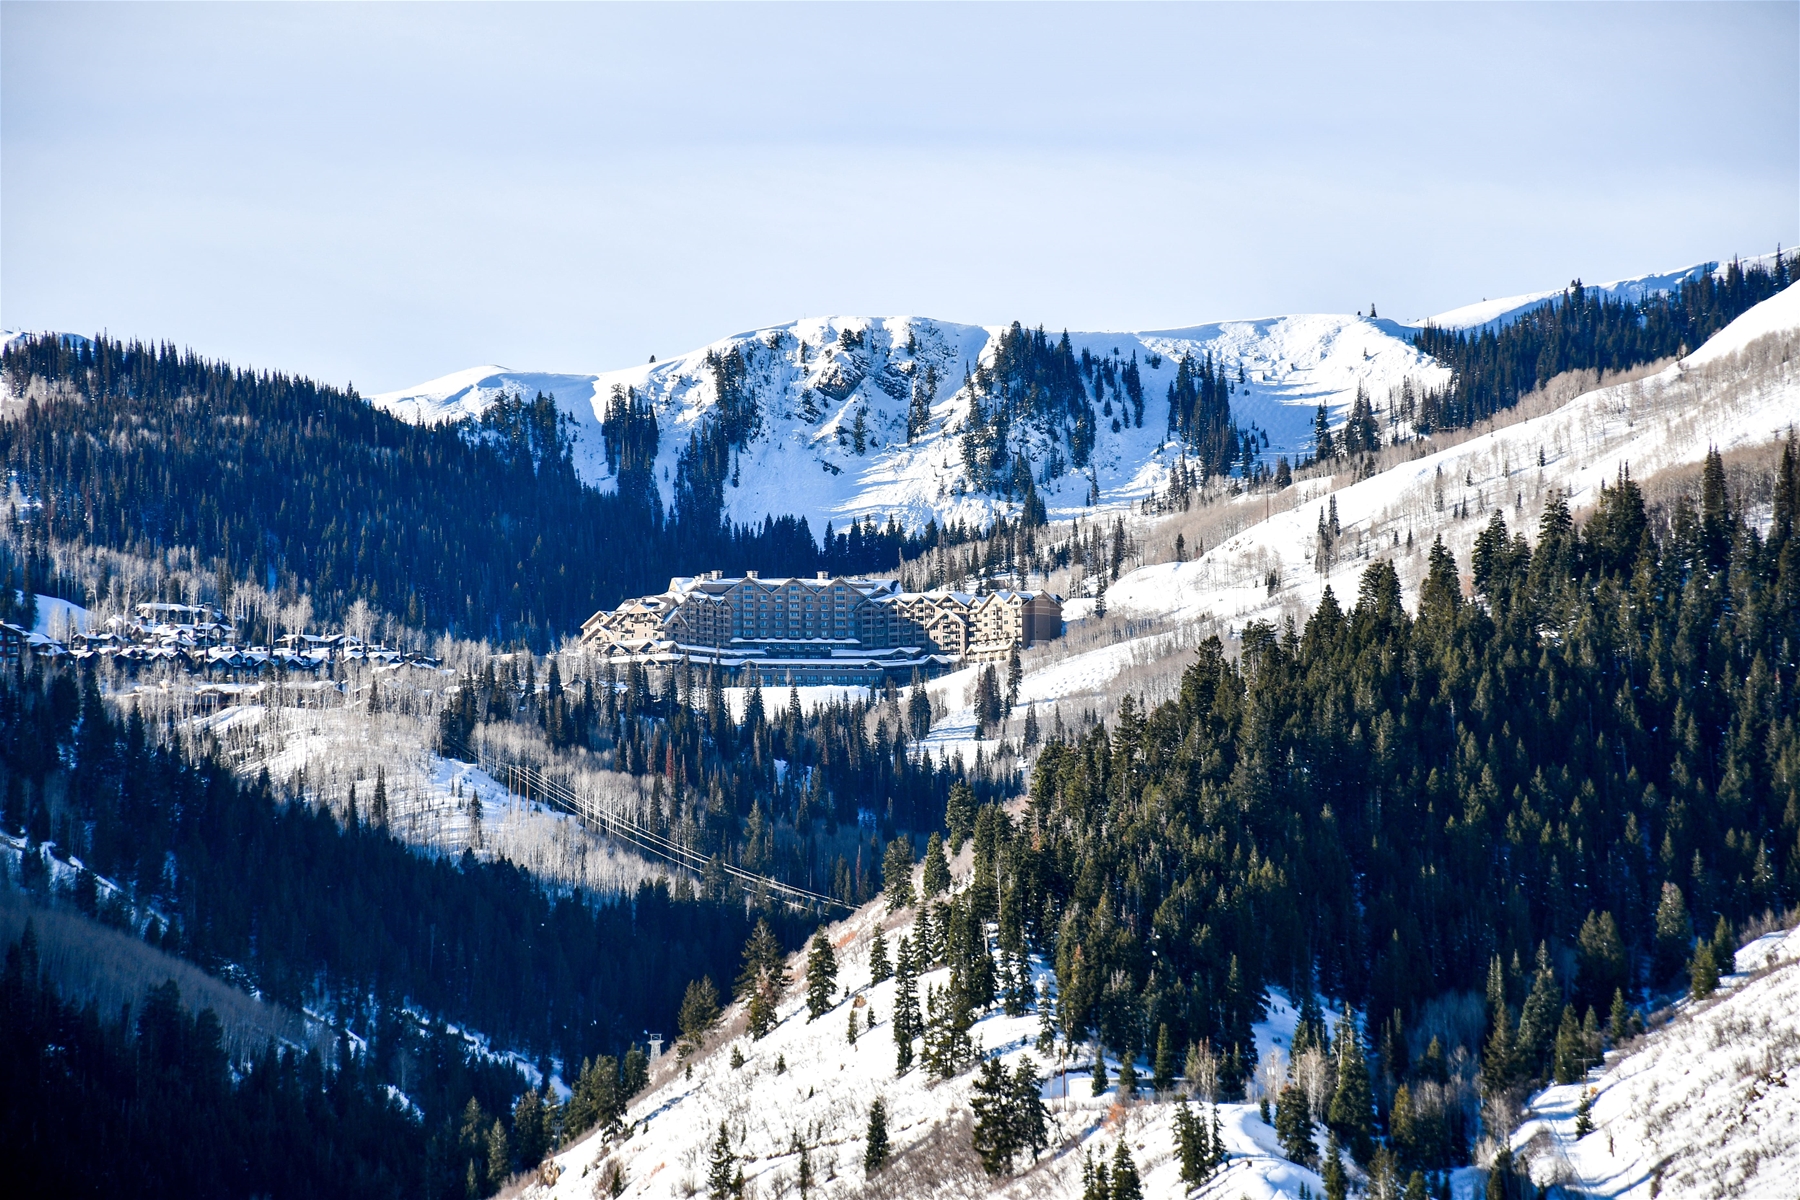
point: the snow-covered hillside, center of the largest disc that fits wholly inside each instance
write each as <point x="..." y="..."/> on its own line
<point x="1706" y="1106"/>
<point x="807" y="1083"/>
<point x="810" y="379"/>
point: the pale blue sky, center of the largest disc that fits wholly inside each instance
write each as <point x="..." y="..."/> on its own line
<point x="385" y="194"/>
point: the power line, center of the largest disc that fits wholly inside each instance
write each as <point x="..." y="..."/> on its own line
<point x="623" y="827"/>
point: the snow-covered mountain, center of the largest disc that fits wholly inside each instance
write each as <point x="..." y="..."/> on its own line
<point x="809" y="380"/>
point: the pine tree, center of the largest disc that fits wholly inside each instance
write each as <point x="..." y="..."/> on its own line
<point x="1128" y="1086"/>
<point x="896" y="874"/>
<point x="499" y="1155"/>
<point x="1403" y="1129"/>
<point x="880" y="970"/>
<point x="1192" y="1145"/>
<point x="936" y="878"/>
<point x="1569" y="1057"/>
<point x="1497" y="1069"/>
<point x="1673" y="935"/>
<point x="1163" y="1075"/>
<point x="1703" y="972"/>
<point x="1031" y="1126"/>
<point x="1337" y="1180"/>
<point x="959" y="819"/>
<point x="1618" y="1019"/>
<point x="1294" y="1127"/>
<point x="1352" y="1111"/>
<point x="1096" y="1179"/>
<point x="762" y="978"/>
<point x="875" y="1144"/>
<point x="699" y="1014"/>
<point x="906" y="1006"/>
<point x="851" y="1035"/>
<point x="1584" y="1114"/>
<point x="821" y="976"/>
<point x="1101" y="1082"/>
<point x="1046" y="1034"/>
<point x="1724" y="946"/>
<point x="723" y="1180"/>
<point x="1125" y="1183"/>
<point x="995" y="1133"/>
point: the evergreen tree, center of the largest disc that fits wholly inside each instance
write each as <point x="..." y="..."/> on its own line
<point x="936" y="879"/>
<point x="1163" y="1074"/>
<point x="724" y="1180"/>
<point x="907" y="1021"/>
<point x="1352" y="1111"/>
<point x="1618" y="1019"/>
<point x="1673" y="935"/>
<point x="1537" y="1020"/>
<point x="1497" y="1059"/>
<point x="880" y="970"/>
<point x="1337" y="1180"/>
<point x="1096" y="1179"/>
<point x="1703" y="972"/>
<point x="1125" y="1183"/>
<point x="1294" y="1127"/>
<point x="499" y="1155"/>
<point x="1601" y="966"/>
<point x="1403" y="1128"/>
<point x="875" y="1143"/>
<point x="699" y="1014"/>
<point x="1569" y="1059"/>
<point x="896" y="873"/>
<point x="1193" y="1146"/>
<point x="821" y="976"/>
<point x="761" y="979"/>
<point x="995" y="1132"/>
<point x="959" y="819"/>
<point x="531" y="1129"/>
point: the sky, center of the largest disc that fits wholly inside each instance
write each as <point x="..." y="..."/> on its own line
<point x="382" y="194"/>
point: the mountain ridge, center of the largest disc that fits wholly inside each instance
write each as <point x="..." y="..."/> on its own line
<point x="808" y="381"/>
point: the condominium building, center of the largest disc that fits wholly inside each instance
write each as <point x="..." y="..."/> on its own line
<point x="828" y="629"/>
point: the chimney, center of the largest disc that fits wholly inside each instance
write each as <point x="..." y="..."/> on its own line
<point x="749" y="574"/>
<point x="823" y="575"/>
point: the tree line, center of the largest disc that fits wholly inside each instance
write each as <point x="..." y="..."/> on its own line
<point x="1583" y="330"/>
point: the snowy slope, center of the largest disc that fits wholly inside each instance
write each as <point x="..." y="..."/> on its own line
<point x="1708" y="1105"/>
<point x="805" y="1080"/>
<point x="1506" y="308"/>
<point x="802" y="461"/>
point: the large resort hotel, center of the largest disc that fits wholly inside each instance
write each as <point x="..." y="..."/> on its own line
<point x="825" y="630"/>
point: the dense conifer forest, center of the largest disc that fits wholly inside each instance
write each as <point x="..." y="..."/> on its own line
<point x="1535" y="801"/>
